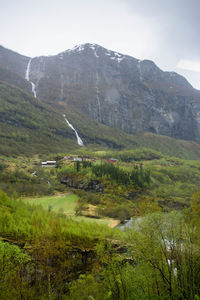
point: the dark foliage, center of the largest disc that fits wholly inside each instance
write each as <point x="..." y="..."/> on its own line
<point x="137" y="177"/>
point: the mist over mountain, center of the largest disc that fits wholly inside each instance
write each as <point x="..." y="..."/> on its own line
<point x="113" y="89"/>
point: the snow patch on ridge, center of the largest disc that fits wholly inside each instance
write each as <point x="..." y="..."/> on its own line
<point x="77" y="49"/>
<point x="115" y="56"/>
<point x="60" y="56"/>
<point x="80" y="48"/>
<point x="94" y="48"/>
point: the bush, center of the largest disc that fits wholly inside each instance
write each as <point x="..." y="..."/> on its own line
<point x="118" y="212"/>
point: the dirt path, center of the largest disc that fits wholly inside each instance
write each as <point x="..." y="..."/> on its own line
<point x="113" y="223"/>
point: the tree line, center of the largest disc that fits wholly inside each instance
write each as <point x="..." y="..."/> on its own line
<point x="139" y="177"/>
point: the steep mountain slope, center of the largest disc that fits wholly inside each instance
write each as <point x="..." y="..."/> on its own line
<point x="12" y="68"/>
<point x="119" y="91"/>
<point x="13" y="61"/>
<point x="104" y="94"/>
<point x="27" y="126"/>
<point x="13" y="78"/>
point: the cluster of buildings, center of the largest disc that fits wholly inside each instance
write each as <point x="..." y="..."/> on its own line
<point x="52" y="163"/>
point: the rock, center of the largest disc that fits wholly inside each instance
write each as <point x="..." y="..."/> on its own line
<point x="73" y="182"/>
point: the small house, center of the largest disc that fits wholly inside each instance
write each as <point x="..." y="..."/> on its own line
<point x="48" y="163"/>
<point x="77" y="159"/>
<point x="112" y="160"/>
<point x="68" y="157"/>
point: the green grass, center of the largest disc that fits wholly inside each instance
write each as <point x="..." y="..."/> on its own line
<point x="66" y="203"/>
<point x="103" y="221"/>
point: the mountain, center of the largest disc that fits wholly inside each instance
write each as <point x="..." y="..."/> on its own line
<point x="13" y="78"/>
<point x="12" y="68"/>
<point x="13" y="61"/>
<point x="110" y="98"/>
<point x="28" y="126"/>
<point x="118" y="90"/>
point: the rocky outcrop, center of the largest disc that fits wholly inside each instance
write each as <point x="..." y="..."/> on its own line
<point x="72" y="181"/>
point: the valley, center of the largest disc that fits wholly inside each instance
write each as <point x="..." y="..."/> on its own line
<point x="55" y="226"/>
<point x="91" y="139"/>
<point x="138" y="181"/>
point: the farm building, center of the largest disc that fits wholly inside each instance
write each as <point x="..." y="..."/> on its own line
<point x="68" y="157"/>
<point x="112" y="160"/>
<point x="48" y="163"/>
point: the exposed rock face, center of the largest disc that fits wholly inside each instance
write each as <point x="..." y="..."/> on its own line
<point x="13" y="61"/>
<point x="12" y="68"/>
<point x="13" y="78"/>
<point x="92" y="185"/>
<point x="119" y="91"/>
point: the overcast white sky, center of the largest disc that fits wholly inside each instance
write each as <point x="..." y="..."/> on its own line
<point x="165" y="31"/>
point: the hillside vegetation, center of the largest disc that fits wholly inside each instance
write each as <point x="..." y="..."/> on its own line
<point x="115" y="219"/>
<point x="44" y="255"/>
<point x="27" y="126"/>
<point x="141" y="181"/>
<point x="47" y="254"/>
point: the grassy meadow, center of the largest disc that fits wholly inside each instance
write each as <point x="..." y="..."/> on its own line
<point x="65" y="203"/>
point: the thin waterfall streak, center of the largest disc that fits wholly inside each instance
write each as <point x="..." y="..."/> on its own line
<point x="98" y="101"/>
<point x="27" y="77"/>
<point x="28" y="70"/>
<point x="79" y="140"/>
<point x="139" y="69"/>
<point x="33" y="89"/>
<point x="97" y="96"/>
<point x="61" y="87"/>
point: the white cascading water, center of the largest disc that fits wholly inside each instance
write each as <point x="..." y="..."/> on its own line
<point x="79" y="140"/>
<point x="139" y="69"/>
<point x="61" y="87"/>
<point x="97" y="95"/>
<point x="27" y="77"/>
<point x="98" y="101"/>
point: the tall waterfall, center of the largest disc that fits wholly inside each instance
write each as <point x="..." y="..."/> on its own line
<point x="79" y="140"/>
<point x="98" y="102"/>
<point x="27" y="77"/>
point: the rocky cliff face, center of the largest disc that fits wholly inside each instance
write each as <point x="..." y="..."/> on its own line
<point x="12" y="68"/>
<point x="119" y="91"/>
